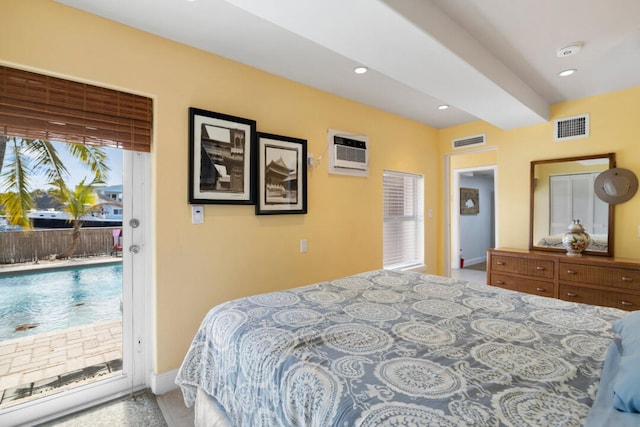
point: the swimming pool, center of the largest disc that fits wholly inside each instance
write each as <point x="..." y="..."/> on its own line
<point x="58" y="299"/>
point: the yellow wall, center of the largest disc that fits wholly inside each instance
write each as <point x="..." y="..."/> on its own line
<point x="614" y="128"/>
<point x="234" y="253"/>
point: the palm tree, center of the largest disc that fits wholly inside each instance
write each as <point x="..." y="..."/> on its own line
<point x="78" y="203"/>
<point x="3" y="149"/>
<point x="31" y="157"/>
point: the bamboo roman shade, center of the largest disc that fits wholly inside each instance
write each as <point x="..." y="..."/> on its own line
<point x="37" y="106"/>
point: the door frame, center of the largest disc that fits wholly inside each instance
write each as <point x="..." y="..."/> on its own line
<point x="451" y="229"/>
<point x="136" y="339"/>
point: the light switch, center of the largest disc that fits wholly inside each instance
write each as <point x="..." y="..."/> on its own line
<point x="197" y="214"/>
<point x="303" y="246"/>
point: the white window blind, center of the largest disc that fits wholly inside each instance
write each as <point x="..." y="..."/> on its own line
<point x="403" y="228"/>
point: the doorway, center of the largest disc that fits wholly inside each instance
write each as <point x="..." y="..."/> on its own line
<point x="481" y="160"/>
<point x="135" y="290"/>
<point x="473" y="223"/>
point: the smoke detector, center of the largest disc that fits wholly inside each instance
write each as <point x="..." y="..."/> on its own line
<point x="568" y="50"/>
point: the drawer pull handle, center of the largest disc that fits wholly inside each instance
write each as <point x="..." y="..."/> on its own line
<point x="499" y="282"/>
<point x="571" y="294"/>
<point x="627" y="279"/>
<point x="571" y="272"/>
<point x="623" y="302"/>
<point x="540" y="289"/>
<point x="499" y="262"/>
<point x="540" y="268"/>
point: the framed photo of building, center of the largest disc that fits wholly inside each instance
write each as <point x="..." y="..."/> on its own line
<point x="469" y="201"/>
<point x="282" y="175"/>
<point x="222" y="152"/>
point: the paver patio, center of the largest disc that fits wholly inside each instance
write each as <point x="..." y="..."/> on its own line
<point x="53" y="360"/>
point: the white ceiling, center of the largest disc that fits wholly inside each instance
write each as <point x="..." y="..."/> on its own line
<point x="493" y="60"/>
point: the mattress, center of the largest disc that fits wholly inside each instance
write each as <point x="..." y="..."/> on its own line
<point x="388" y="348"/>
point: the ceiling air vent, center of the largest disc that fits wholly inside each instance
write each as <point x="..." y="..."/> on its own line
<point x="571" y="128"/>
<point x="470" y="141"/>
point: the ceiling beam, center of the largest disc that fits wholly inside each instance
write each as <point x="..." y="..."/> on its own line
<point x="415" y="43"/>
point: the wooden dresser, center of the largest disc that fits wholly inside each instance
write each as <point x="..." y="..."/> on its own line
<point x="611" y="282"/>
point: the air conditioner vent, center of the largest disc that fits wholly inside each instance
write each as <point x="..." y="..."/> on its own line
<point x="571" y="128"/>
<point x="469" y="141"/>
<point x="348" y="153"/>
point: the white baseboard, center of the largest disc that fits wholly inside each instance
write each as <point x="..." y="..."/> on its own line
<point x="468" y="262"/>
<point x="474" y="261"/>
<point x="163" y="383"/>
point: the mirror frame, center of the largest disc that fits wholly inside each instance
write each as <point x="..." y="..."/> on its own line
<point x="610" y="235"/>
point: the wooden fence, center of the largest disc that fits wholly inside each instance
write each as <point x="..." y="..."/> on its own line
<point x="23" y="246"/>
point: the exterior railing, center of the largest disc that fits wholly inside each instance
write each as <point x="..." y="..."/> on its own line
<point x="29" y="246"/>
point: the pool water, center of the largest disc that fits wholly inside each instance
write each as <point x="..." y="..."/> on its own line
<point x="59" y="299"/>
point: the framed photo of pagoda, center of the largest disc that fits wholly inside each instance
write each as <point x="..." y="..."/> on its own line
<point x="282" y="175"/>
<point x="222" y="152"/>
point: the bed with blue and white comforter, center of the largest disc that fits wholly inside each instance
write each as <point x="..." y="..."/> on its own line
<point x="399" y="348"/>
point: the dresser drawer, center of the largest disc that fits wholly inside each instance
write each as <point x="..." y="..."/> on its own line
<point x="525" y="266"/>
<point x="597" y="275"/>
<point x="598" y="297"/>
<point x="530" y="286"/>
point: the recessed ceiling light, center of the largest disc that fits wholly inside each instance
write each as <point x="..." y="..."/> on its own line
<point x="360" y="70"/>
<point x="566" y="73"/>
<point x="443" y="107"/>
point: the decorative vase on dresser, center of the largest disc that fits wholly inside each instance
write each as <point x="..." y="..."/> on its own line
<point x="610" y="282"/>
<point x="575" y="240"/>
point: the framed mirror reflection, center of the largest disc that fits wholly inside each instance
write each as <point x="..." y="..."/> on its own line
<point x="562" y="190"/>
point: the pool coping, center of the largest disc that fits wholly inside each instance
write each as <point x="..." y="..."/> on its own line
<point x="49" y="265"/>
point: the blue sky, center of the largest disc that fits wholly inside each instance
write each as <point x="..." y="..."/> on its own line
<point x="77" y="171"/>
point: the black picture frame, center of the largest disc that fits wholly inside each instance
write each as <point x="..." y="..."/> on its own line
<point x="469" y="201"/>
<point x="222" y="153"/>
<point x="282" y="175"/>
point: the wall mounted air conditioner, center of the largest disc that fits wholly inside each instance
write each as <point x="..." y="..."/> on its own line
<point x="348" y="153"/>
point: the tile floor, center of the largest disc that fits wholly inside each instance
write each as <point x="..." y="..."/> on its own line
<point x="469" y="275"/>
<point x="175" y="412"/>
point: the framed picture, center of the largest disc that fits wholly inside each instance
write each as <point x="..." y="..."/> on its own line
<point x="469" y="201"/>
<point x="282" y="175"/>
<point x="222" y="152"/>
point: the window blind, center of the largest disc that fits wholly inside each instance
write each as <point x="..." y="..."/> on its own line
<point x="36" y="106"/>
<point x="403" y="226"/>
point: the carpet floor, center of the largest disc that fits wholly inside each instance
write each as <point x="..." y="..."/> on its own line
<point x="139" y="410"/>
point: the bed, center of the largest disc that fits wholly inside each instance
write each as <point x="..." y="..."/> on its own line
<point x="400" y="348"/>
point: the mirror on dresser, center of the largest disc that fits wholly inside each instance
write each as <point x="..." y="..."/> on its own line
<point x="561" y="191"/>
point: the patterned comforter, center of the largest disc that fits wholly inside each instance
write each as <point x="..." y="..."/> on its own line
<point x="396" y="348"/>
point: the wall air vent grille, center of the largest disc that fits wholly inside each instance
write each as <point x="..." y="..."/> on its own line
<point x="571" y="128"/>
<point x="470" y="141"/>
